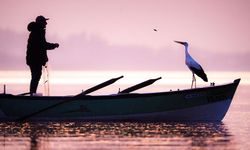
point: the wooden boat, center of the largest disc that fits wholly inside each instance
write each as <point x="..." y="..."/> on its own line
<point x="199" y="104"/>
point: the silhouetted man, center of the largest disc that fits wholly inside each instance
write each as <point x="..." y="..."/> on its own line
<point x="37" y="50"/>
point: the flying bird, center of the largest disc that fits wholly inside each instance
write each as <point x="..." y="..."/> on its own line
<point x="194" y="66"/>
<point x="155" y="30"/>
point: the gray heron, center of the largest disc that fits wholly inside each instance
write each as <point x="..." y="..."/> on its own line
<point x="193" y="65"/>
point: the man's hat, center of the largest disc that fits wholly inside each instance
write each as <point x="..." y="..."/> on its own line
<point x="41" y="19"/>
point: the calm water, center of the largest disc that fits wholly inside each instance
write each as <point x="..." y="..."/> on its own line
<point x="232" y="133"/>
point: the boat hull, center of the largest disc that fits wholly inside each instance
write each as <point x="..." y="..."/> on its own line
<point x="200" y="104"/>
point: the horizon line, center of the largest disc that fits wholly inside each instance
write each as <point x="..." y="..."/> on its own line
<point x="130" y="77"/>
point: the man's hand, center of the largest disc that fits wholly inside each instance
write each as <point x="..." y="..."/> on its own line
<point x="56" y="45"/>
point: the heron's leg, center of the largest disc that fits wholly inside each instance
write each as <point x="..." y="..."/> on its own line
<point x="192" y="81"/>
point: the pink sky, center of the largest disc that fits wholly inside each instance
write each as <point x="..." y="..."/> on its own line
<point x="118" y="34"/>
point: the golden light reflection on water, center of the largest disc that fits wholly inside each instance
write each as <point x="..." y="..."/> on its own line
<point x="88" y="135"/>
<point x="15" y="143"/>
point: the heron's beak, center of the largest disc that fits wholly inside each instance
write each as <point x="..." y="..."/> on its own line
<point x="183" y="43"/>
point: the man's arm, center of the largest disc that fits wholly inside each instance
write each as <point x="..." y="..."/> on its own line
<point x="50" y="46"/>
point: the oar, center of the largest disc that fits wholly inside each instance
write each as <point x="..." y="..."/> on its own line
<point x="23" y="94"/>
<point x="139" y="86"/>
<point x="99" y="86"/>
<point x="92" y="89"/>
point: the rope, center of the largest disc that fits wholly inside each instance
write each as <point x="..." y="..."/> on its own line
<point x="46" y="79"/>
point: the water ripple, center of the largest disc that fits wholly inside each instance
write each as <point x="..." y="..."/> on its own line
<point x="114" y="135"/>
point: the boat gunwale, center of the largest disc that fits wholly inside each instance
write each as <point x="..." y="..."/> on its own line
<point x="118" y="96"/>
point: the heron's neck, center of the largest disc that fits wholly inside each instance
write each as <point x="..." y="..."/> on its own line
<point x="186" y="51"/>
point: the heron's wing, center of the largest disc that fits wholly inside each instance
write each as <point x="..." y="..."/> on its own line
<point x="199" y="72"/>
<point x="190" y="62"/>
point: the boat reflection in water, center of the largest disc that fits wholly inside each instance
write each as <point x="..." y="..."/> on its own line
<point x="114" y="135"/>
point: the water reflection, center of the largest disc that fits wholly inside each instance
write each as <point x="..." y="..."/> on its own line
<point x="89" y="135"/>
